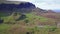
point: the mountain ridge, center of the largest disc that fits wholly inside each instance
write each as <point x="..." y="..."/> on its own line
<point x="23" y="7"/>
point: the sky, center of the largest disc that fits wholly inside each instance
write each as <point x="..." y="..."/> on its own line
<point x="44" y="4"/>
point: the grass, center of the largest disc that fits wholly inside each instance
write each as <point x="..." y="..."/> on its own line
<point x="32" y="17"/>
<point x="19" y="29"/>
<point x="2" y="14"/>
<point x="4" y="28"/>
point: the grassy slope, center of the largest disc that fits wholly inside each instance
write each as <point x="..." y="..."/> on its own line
<point x="32" y="17"/>
<point x="19" y="29"/>
<point x="4" y="28"/>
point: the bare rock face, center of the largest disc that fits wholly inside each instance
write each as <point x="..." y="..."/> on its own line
<point x="1" y="21"/>
<point x="50" y="11"/>
<point x="5" y="6"/>
<point x="12" y="7"/>
<point x="22" y="7"/>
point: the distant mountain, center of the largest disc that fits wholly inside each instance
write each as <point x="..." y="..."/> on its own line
<point x="57" y="10"/>
<point x="51" y="11"/>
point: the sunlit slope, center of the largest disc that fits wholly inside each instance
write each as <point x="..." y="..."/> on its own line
<point x="29" y="18"/>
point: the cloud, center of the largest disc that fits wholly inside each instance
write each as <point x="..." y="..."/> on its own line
<point x="48" y="6"/>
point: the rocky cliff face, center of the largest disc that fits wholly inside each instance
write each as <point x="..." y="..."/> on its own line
<point x="18" y="6"/>
<point x="23" y="6"/>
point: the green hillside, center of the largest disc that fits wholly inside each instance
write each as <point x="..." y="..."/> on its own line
<point x="30" y="17"/>
<point x="16" y="23"/>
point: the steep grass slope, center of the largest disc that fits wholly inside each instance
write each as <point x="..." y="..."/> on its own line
<point x="29" y="22"/>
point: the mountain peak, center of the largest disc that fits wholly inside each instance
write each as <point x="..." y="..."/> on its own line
<point x="50" y="11"/>
<point x="13" y="5"/>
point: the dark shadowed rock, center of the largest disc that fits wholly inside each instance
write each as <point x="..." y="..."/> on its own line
<point x="11" y="7"/>
<point x="22" y="7"/>
<point x="1" y="21"/>
<point x="21" y="17"/>
<point x="27" y="33"/>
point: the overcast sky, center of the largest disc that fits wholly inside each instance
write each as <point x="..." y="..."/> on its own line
<point x="44" y="4"/>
